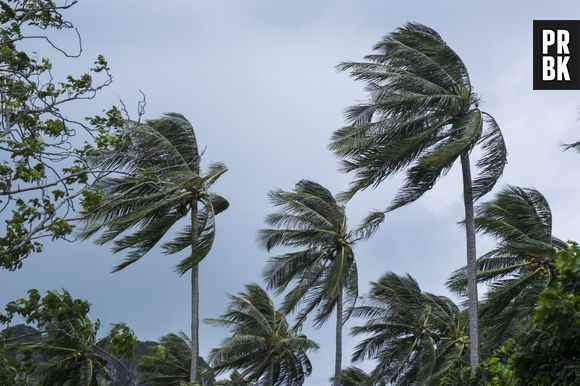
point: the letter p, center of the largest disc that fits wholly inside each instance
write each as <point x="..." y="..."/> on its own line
<point x="548" y="39"/>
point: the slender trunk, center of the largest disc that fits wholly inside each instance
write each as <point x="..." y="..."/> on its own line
<point x="271" y="374"/>
<point x="338" y="357"/>
<point x="194" y="297"/>
<point x="471" y="263"/>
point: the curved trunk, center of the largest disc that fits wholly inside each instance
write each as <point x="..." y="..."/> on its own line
<point x="194" y="297"/>
<point x="338" y="356"/>
<point x="471" y="263"/>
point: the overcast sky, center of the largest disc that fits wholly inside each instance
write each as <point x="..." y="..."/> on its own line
<point x="257" y="80"/>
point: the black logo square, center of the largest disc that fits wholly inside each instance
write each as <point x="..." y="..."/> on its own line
<point x="556" y="55"/>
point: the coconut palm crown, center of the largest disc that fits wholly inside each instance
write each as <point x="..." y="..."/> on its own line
<point x="422" y="115"/>
<point x="416" y="338"/>
<point x="263" y="346"/>
<point x="523" y="261"/>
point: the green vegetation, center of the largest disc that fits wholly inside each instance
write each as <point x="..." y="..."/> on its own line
<point x="43" y="169"/>
<point x="262" y="345"/>
<point x="62" y="348"/>
<point x="130" y="182"/>
<point x="414" y="337"/>
<point x="157" y="182"/>
<point x="323" y="270"/>
<point x="422" y="116"/>
<point x="546" y="350"/>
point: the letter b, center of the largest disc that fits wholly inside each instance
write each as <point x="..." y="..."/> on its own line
<point x="548" y="68"/>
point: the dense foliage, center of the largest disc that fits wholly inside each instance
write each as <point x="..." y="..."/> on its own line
<point x="546" y="350"/>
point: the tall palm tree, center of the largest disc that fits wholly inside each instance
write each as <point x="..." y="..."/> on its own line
<point x="523" y="262"/>
<point x="159" y="182"/>
<point x="416" y="338"/>
<point x="323" y="268"/>
<point x="263" y="346"/>
<point x="422" y="116"/>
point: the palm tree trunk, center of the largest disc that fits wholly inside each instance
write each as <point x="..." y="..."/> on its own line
<point x="471" y="263"/>
<point x="194" y="297"/>
<point x="338" y="356"/>
<point x="271" y="374"/>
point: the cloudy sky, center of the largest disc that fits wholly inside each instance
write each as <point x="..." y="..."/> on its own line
<point x="257" y="80"/>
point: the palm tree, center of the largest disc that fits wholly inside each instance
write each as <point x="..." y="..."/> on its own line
<point x="59" y="344"/>
<point x="422" y="115"/>
<point x="169" y="363"/>
<point x="416" y="338"/>
<point x="262" y="345"/>
<point x="159" y="182"/>
<point x="73" y="355"/>
<point x="324" y="268"/>
<point x="523" y="262"/>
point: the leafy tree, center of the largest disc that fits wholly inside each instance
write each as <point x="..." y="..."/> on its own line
<point x="262" y="346"/>
<point x="550" y="347"/>
<point x="43" y="170"/>
<point x="158" y="183"/>
<point x="65" y="339"/>
<point x="422" y="116"/>
<point x="497" y="370"/>
<point x="323" y="269"/>
<point x="545" y="350"/>
<point x="523" y="262"/>
<point x="416" y="338"/>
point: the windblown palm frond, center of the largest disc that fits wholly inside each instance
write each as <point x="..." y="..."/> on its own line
<point x="323" y="266"/>
<point x="421" y="116"/>
<point x="71" y="353"/>
<point x="416" y="338"/>
<point x="158" y="181"/>
<point x="169" y="363"/>
<point x="263" y="347"/>
<point x="574" y="146"/>
<point x="522" y="263"/>
<point x="71" y="350"/>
